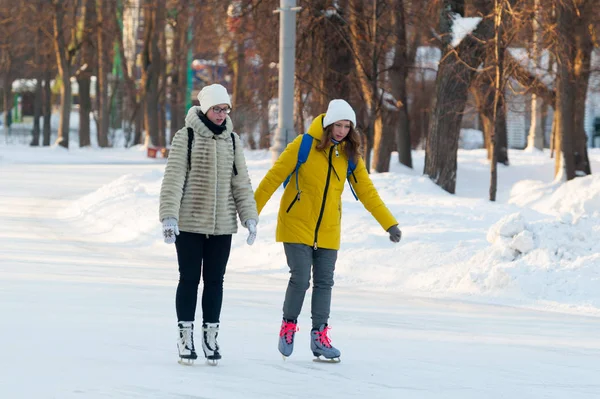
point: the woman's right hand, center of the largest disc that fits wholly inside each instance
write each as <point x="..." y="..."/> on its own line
<point x="170" y="230"/>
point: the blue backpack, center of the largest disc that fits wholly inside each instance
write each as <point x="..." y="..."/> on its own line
<point x="305" y="146"/>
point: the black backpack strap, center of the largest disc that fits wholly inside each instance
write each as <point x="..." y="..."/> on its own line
<point x="233" y="141"/>
<point x="190" y="139"/>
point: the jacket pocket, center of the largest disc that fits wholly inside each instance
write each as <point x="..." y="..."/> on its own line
<point x="296" y="198"/>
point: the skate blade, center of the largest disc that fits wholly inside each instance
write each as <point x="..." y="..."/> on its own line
<point x="186" y="362"/>
<point x="212" y="362"/>
<point x="320" y="359"/>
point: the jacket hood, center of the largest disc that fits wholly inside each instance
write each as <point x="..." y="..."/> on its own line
<point x="316" y="128"/>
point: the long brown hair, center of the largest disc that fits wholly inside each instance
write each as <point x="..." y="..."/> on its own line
<point x="351" y="143"/>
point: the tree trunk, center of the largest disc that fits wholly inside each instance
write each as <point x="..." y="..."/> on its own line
<point x="179" y="71"/>
<point x="499" y="122"/>
<point x="47" y="108"/>
<point x="162" y="91"/>
<point x="84" y="73"/>
<point x="64" y="70"/>
<point x="242" y="115"/>
<point x="66" y="99"/>
<point x="134" y="112"/>
<point x="265" y="128"/>
<point x="484" y="100"/>
<point x="85" y="107"/>
<point x="553" y="135"/>
<point x="368" y="145"/>
<point x="501" y="130"/>
<point x="452" y="84"/>
<point x="37" y="113"/>
<point x="582" y="70"/>
<point x="398" y="76"/>
<point x="384" y="142"/>
<point x="139" y="124"/>
<point x="102" y="13"/>
<point x="8" y="104"/>
<point x="535" y="138"/>
<point x="565" y="89"/>
<point x="151" y="66"/>
<point x="489" y="111"/>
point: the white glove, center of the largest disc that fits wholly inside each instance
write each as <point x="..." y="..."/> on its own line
<point x="170" y="230"/>
<point x="251" y="226"/>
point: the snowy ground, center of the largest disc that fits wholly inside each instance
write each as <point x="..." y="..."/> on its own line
<point x="480" y="300"/>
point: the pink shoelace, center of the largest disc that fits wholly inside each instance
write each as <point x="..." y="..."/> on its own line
<point x="288" y="329"/>
<point x="323" y="338"/>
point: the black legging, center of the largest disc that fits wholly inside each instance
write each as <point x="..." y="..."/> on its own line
<point x="196" y="254"/>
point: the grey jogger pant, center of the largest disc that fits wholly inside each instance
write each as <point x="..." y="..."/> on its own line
<point x="300" y="258"/>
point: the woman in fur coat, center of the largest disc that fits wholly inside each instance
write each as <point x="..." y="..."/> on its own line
<point x="205" y="186"/>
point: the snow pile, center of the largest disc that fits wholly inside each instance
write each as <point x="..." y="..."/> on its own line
<point x="576" y="199"/>
<point x="511" y="236"/>
<point x="120" y="211"/>
<point x="570" y="201"/>
<point x="551" y="260"/>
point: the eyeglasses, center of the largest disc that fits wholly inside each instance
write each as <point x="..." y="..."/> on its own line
<point x="218" y="110"/>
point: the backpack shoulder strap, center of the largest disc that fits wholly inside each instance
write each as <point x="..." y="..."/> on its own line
<point x="305" y="147"/>
<point x="350" y="172"/>
<point x="351" y="168"/>
<point x="189" y="146"/>
<point x="235" y="172"/>
<point x="303" y="151"/>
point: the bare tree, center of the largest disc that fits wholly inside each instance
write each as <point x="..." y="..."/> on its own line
<point x="85" y="71"/>
<point x="403" y="58"/>
<point x="455" y="74"/>
<point x="265" y="41"/>
<point x="134" y="114"/>
<point x="154" y="20"/>
<point x="499" y="50"/>
<point x="65" y="48"/>
<point x="369" y="44"/>
<point x="13" y="50"/>
<point x="180" y="16"/>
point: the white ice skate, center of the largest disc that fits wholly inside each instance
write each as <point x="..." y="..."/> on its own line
<point x="185" y="343"/>
<point x="210" y="332"/>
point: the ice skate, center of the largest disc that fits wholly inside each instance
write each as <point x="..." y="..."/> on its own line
<point x="185" y="343"/>
<point x="320" y="344"/>
<point x="286" y="337"/>
<point x="210" y="332"/>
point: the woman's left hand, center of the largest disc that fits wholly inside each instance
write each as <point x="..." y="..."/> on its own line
<point x="395" y="233"/>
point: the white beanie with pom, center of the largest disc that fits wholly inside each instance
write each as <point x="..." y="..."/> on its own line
<point x="212" y="95"/>
<point x="339" y="110"/>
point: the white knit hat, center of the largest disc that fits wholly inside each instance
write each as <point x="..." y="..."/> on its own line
<point x="339" y="110"/>
<point x="212" y="95"/>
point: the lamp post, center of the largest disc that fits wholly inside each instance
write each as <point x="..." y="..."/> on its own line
<point x="287" y="59"/>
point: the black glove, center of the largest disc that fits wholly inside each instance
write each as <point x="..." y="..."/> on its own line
<point x="395" y="233"/>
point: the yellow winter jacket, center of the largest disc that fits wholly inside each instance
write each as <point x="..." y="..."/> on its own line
<point x="314" y="216"/>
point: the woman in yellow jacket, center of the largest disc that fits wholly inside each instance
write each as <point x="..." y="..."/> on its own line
<point x="310" y="217"/>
